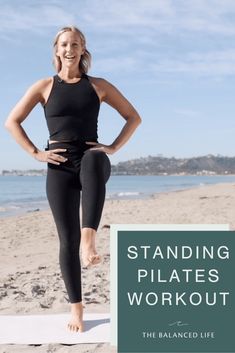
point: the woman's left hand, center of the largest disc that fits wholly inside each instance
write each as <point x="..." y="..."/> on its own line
<point x="100" y="147"/>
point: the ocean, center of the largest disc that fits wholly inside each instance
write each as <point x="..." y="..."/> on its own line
<point x="21" y="194"/>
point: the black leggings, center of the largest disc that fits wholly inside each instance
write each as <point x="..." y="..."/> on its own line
<point x="85" y="171"/>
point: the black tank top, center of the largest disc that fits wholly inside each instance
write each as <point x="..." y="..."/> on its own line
<point x="72" y="110"/>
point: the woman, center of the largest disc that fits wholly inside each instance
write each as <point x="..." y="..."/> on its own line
<point x="76" y="161"/>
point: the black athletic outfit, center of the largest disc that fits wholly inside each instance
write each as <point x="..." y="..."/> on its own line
<point x="72" y="114"/>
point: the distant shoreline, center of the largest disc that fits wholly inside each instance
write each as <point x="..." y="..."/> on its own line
<point x="159" y="165"/>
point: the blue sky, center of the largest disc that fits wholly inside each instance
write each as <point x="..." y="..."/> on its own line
<point x="173" y="59"/>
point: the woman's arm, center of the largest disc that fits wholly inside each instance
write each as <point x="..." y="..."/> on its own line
<point x="33" y="96"/>
<point x="112" y="96"/>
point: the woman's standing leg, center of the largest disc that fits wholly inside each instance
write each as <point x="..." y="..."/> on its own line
<point x="63" y="192"/>
<point x="95" y="172"/>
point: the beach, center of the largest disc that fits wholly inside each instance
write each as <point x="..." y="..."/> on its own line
<point x="31" y="282"/>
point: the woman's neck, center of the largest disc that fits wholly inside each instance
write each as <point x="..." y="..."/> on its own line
<point x="69" y="74"/>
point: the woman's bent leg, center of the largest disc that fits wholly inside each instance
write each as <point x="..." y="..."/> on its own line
<point x="95" y="172"/>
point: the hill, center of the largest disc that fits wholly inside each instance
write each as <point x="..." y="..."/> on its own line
<point x="159" y="165"/>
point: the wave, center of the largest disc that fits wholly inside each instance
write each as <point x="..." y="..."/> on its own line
<point x="128" y="193"/>
<point x="9" y="208"/>
<point x="125" y="194"/>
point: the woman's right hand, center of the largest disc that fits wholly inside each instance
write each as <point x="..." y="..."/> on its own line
<point x="50" y="156"/>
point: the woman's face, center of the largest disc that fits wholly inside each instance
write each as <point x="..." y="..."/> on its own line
<point x="69" y="49"/>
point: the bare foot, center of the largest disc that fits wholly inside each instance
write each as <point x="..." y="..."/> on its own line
<point x="89" y="254"/>
<point x="76" y="321"/>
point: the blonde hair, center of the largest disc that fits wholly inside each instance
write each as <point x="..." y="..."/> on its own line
<point x="85" y="61"/>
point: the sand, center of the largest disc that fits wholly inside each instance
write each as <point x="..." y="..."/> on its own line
<point x="29" y="269"/>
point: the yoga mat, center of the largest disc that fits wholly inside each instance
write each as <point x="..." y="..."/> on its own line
<point x="52" y="328"/>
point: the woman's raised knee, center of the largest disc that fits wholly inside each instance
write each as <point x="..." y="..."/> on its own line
<point x="96" y="161"/>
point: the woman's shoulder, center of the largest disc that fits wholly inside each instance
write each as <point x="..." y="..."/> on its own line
<point x="41" y="84"/>
<point x="39" y="88"/>
<point x="94" y="79"/>
<point x="102" y="83"/>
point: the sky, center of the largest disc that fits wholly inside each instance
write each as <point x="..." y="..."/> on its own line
<point x="174" y="60"/>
